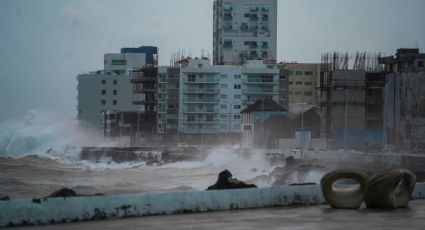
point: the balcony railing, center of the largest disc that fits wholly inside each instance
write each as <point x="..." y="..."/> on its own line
<point x="259" y="91"/>
<point x="259" y="81"/>
<point x="244" y="27"/>
<point x="199" y="90"/>
<point x="253" y="46"/>
<point x="201" y="111"/>
<point x="254" y="18"/>
<point x="203" y="81"/>
<point x="186" y="101"/>
<point x="227" y="17"/>
<point x="227" y="45"/>
<point x="204" y="130"/>
<point x="201" y="121"/>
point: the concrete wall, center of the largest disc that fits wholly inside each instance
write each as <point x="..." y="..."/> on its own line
<point x="61" y="210"/>
<point x="404" y="110"/>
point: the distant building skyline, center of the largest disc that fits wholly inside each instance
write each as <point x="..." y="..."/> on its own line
<point x="45" y="44"/>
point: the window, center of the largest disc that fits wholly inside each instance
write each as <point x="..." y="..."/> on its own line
<point x="223" y="86"/>
<point x="103" y="102"/>
<point x="114" y="102"/>
<point x="191" y="78"/>
<point x="237" y="117"/>
<point x="237" y="106"/>
<point x="223" y="76"/>
<point x="308" y="83"/>
<point x="308" y="93"/>
<point x="290" y="82"/>
<point x="298" y="73"/>
<point x="298" y="93"/>
<point x="223" y="106"/>
<point x="420" y="64"/>
<point x="299" y="82"/>
<point x="291" y="72"/>
<point x="115" y="82"/>
<point x="114" y="92"/>
<point x="223" y="96"/>
<point x="210" y="118"/>
<point x="237" y="96"/>
<point x="237" y="86"/>
<point x="191" y="118"/>
<point x="103" y="92"/>
<point x="308" y="73"/>
<point x="237" y="76"/>
<point x="223" y="116"/>
<point x="119" y="62"/>
<point x="282" y="77"/>
<point x="103" y="82"/>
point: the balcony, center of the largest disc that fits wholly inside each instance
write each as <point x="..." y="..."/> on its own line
<point x="253" y="27"/>
<point x="253" y="9"/>
<point x="201" y="111"/>
<point x="265" y="8"/>
<point x="142" y="79"/>
<point x="201" y="121"/>
<point x="201" y="101"/>
<point x="227" y="8"/>
<point x="203" y="90"/>
<point x="227" y="45"/>
<point x="202" y="81"/>
<point x="259" y="91"/>
<point x="244" y="26"/>
<point x="253" y="17"/>
<point x="265" y="46"/>
<point x="259" y="81"/>
<point x="140" y="91"/>
<point x="265" y="18"/>
<point x="265" y="27"/>
<point x="253" y="46"/>
<point x="227" y="27"/>
<point x="227" y="17"/>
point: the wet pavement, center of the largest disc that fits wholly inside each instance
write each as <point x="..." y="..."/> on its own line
<point x="303" y="217"/>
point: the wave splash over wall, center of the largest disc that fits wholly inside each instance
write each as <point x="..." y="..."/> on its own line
<point x="46" y="134"/>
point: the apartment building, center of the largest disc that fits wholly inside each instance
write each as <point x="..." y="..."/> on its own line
<point x="212" y="97"/>
<point x="303" y="79"/>
<point x="168" y="102"/>
<point x="109" y="90"/>
<point x="244" y="30"/>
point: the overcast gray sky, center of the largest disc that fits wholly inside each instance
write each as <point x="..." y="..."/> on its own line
<point x="44" y="44"/>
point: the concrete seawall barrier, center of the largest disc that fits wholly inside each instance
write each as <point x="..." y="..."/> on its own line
<point x="72" y="209"/>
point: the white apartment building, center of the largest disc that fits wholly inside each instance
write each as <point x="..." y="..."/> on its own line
<point x="244" y="30"/>
<point x="212" y="96"/>
<point x="109" y="89"/>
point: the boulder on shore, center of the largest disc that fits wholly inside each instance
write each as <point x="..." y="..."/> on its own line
<point x="225" y="181"/>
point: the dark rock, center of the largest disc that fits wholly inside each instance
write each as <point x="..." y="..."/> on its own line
<point x="4" y="198"/>
<point x="225" y="181"/>
<point x="290" y="160"/>
<point x="63" y="192"/>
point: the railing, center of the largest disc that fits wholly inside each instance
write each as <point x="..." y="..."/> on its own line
<point x="259" y="81"/>
<point x="201" y="111"/>
<point x="227" y="45"/>
<point x="201" y="121"/>
<point x="257" y="91"/>
<point x="201" y="101"/>
<point x="203" y="81"/>
<point x="198" y="90"/>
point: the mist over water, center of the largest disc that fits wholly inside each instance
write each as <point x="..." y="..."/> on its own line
<point x="40" y="153"/>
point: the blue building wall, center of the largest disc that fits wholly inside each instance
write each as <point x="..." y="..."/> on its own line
<point x="150" y="51"/>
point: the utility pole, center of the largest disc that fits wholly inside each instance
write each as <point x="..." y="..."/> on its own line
<point x="345" y="119"/>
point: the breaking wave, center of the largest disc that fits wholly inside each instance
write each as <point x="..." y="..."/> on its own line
<point x="45" y="134"/>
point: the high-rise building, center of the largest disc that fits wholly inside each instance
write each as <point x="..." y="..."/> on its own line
<point x="244" y="30"/>
<point x="212" y="97"/>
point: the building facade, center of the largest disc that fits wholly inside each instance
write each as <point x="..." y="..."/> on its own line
<point x="168" y="102"/>
<point x="244" y="30"/>
<point x="302" y="86"/>
<point x="110" y="90"/>
<point x="212" y="97"/>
